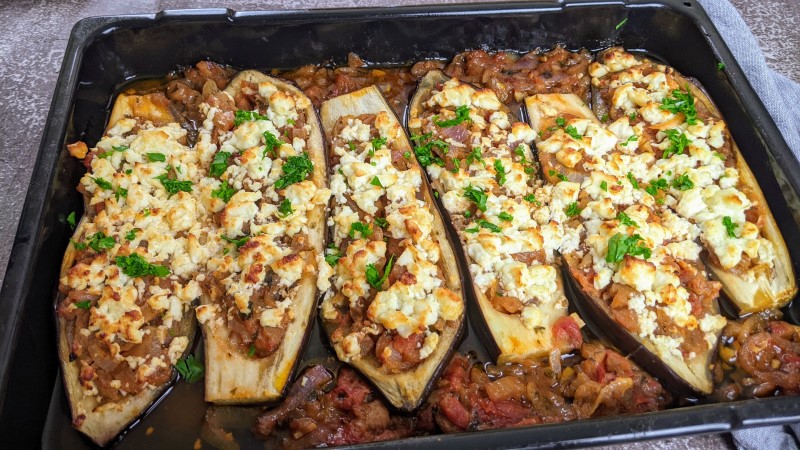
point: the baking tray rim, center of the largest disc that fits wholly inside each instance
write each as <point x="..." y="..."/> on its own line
<point x="31" y="231"/>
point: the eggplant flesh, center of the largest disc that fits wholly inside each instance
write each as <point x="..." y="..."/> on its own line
<point x="234" y="376"/>
<point x="505" y="334"/>
<point x="751" y="289"/>
<point x="404" y="389"/>
<point x="103" y="420"/>
<point x="687" y="374"/>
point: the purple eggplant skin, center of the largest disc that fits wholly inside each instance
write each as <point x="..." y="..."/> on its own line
<point x="597" y="316"/>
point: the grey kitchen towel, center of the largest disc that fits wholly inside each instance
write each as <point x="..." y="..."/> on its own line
<point x="780" y="95"/>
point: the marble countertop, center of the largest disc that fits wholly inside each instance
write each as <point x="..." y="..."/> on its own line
<point x="34" y="37"/>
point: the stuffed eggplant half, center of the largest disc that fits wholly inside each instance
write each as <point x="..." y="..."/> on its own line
<point x="636" y="273"/>
<point x="395" y="310"/>
<point x="688" y="157"/>
<point x="267" y="192"/>
<point x="479" y="158"/>
<point x="129" y="275"/>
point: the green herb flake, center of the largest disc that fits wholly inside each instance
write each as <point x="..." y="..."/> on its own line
<point x="219" y="164"/>
<point x="682" y="182"/>
<point x="477" y="196"/>
<point x="376" y="182"/>
<point x="333" y="256"/>
<point x="271" y="143"/>
<point x="377" y="143"/>
<point x="530" y="198"/>
<point x="114" y="149"/>
<point x="500" y="172"/>
<point x="632" y="116"/>
<point x="655" y="185"/>
<point x="620" y="245"/>
<point x="407" y="155"/>
<point x="352" y="146"/>
<point x="472" y="230"/>
<point x="559" y="175"/>
<point x="681" y="102"/>
<point x="572" y="210"/>
<point x="285" y="208"/>
<point x="604" y="118"/>
<point x="506" y="217"/>
<point x="621" y="24"/>
<point x="730" y="227"/>
<point x="190" y="368"/>
<point x="424" y="149"/>
<point x="103" y="184"/>
<point x="462" y="115"/>
<point x="604" y="185"/>
<point x="374" y="278"/>
<point x="134" y="265"/>
<point x="632" y="138"/>
<point x="83" y="305"/>
<point x="251" y="351"/>
<point x="626" y="220"/>
<point x="633" y="181"/>
<point x="224" y="192"/>
<point x="238" y="242"/>
<point x="381" y="222"/>
<point x="131" y="235"/>
<point x="359" y="227"/>
<point x="120" y="192"/>
<point x="156" y="157"/>
<point x="174" y="186"/>
<point x="71" y="220"/>
<point x="475" y="155"/>
<point x="573" y="133"/>
<point x="295" y="170"/>
<point x="99" y="242"/>
<point x="560" y="122"/>
<point x="242" y="116"/>
<point x="720" y="66"/>
<point x="489" y="226"/>
<point x="677" y="143"/>
<point x="78" y="245"/>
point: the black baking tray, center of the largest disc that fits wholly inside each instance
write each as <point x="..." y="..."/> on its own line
<point x="105" y="53"/>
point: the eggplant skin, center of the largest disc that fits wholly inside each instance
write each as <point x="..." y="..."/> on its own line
<point x="761" y="289"/>
<point x="404" y="390"/>
<point x="103" y="423"/>
<point x="232" y="377"/>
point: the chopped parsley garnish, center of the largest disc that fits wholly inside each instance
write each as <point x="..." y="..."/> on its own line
<point x="730" y="227"/>
<point x="462" y="115"/>
<point x="532" y="199"/>
<point x="374" y="277"/>
<point x="604" y="185"/>
<point x="146" y="212"/>
<point x="467" y="214"/>
<point x="489" y="226"/>
<point x="174" y="186"/>
<point x="291" y="121"/>
<point x="333" y="257"/>
<point x="83" y="305"/>
<point x="655" y="185"/>
<point x="472" y="230"/>
<point x="120" y="192"/>
<point x="719" y="155"/>
<point x="156" y="157"/>
<point x="352" y="146"/>
<point x="71" y="220"/>
<point x="632" y="116"/>
<point x="113" y="150"/>
<point x="270" y="144"/>
<point x="131" y="235"/>
<point x="572" y="210"/>
<point x="295" y="170"/>
<point x="621" y="24"/>
<point x="632" y="138"/>
<point x="134" y="265"/>
<point x="224" y="192"/>
<point x="682" y="183"/>
<point x="436" y="193"/>
<point x="190" y="368"/>
<point x="100" y="242"/>
<point x="285" y="208"/>
<point x="376" y="182"/>
<point x="407" y="155"/>
<point x="677" y="143"/>
<point x="242" y="116"/>
<point x="559" y="175"/>
<point x="626" y="220"/>
<point x="477" y="196"/>
<point x="633" y="181"/>
<point x="103" y="184"/>
<point x="424" y="149"/>
<point x="620" y="245"/>
<point x="681" y="102"/>
<point x="456" y="165"/>
<point x="500" y="172"/>
<point x="381" y="222"/>
<point x="505" y="216"/>
<point x="129" y="171"/>
<point x="377" y="143"/>
<point x="237" y="242"/>
<point x="573" y="132"/>
<point x="560" y="122"/>
<point x="604" y="118"/>
<point x="475" y="155"/>
<point x="219" y="164"/>
<point x="720" y="65"/>
<point x="359" y="227"/>
<point x="251" y="351"/>
<point x="78" y="245"/>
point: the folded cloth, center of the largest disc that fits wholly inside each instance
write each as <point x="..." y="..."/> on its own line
<point x="780" y="95"/>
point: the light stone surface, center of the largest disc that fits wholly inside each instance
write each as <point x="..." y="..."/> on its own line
<point x="34" y="37"/>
